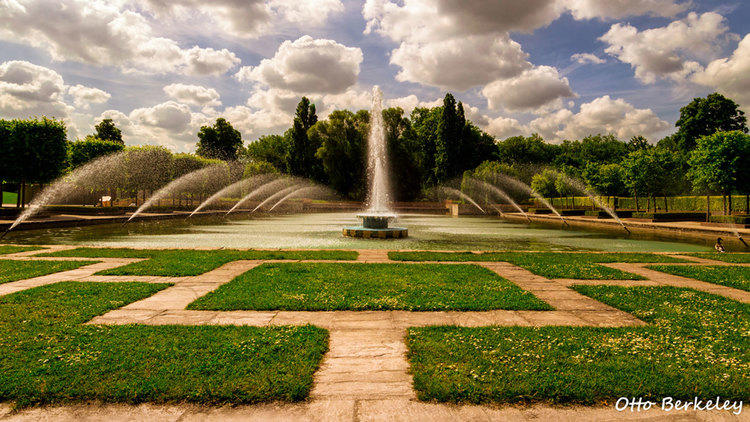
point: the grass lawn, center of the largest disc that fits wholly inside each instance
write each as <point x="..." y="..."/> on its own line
<point x="9" y="198"/>
<point x="549" y="264"/>
<point x="736" y="277"/>
<point x="736" y="258"/>
<point x="47" y="356"/>
<point x="339" y="286"/>
<point x="190" y="262"/>
<point x="13" y="270"/>
<point x="697" y="345"/>
<point x="6" y="249"/>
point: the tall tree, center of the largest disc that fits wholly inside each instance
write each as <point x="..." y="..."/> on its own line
<point x="706" y="116"/>
<point x="107" y="131"/>
<point x="447" y="141"/>
<point x="425" y="122"/>
<point x="718" y="164"/>
<point x="342" y="150"/>
<point x="220" y="141"/>
<point x="301" y="158"/>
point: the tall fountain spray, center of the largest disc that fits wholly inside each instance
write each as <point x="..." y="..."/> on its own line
<point x="378" y="214"/>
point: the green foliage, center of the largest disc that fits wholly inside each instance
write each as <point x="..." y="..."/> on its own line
<point x="146" y="167"/>
<point x="34" y="150"/>
<point x="529" y="150"/>
<point x="339" y="286"/>
<point x="273" y="149"/>
<point x="425" y="123"/>
<point x="342" y="139"/>
<point x="81" y="152"/>
<point x="695" y="345"/>
<point x="107" y="131"/>
<point x="258" y="167"/>
<point x="404" y="151"/>
<point x="220" y="141"/>
<point x="653" y="172"/>
<point x="300" y="159"/>
<point x="637" y="143"/>
<point x="720" y="163"/>
<point x="605" y="179"/>
<point x="189" y="262"/>
<point x="706" y="116"/>
<point x="544" y="183"/>
<point x="50" y="356"/>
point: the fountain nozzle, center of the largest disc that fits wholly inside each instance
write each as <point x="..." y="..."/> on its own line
<point x="4" y="233"/>
<point x="626" y="229"/>
<point x="738" y="236"/>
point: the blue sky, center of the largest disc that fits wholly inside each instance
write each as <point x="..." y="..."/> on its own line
<point x="162" y="68"/>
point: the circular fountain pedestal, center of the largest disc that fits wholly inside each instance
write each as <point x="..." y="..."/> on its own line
<point x="375" y="226"/>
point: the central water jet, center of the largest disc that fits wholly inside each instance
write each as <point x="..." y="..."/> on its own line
<point x="378" y="215"/>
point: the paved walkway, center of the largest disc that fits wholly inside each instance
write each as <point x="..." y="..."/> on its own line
<point x="364" y="375"/>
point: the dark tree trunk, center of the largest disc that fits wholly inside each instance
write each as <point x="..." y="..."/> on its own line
<point x="1" y="193"/>
<point x="747" y="204"/>
<point x="724" y="199"/>
<point x="730" y="203"/>
<point x="637" y="206"/>
<point x="23" y="194"/>
<point x="708" y="208"/>
<point x="666" y="206"/>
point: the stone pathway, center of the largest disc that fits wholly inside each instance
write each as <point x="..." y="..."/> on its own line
<point x="364" y="375"/>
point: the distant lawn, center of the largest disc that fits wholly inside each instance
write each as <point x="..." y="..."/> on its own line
<point x="190" y="262"/>
<point x="736" y="258"/>
<point x="47" y="356"/>
<point x="9" y="198"/>
<point x="736" y="277"/>
<point x="14" y="270"/>
<point x="6" y="249"/>
<point x="697" y="345"/>
<point x="339" y="286"/>
<point x="549" y="264"/>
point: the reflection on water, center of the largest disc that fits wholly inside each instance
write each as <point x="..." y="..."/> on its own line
<point x="324" y="231"/>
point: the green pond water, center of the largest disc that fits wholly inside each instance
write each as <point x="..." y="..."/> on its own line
<point x="323" y="231"/>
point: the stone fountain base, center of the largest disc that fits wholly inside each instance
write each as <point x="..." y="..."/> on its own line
<point x="375" y="226"/>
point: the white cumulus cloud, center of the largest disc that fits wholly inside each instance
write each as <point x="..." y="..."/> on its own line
<point x="84" y="96"/>
<point x="193" y="94"/>
<point x="103" y="33"/>
<point x="731" y="76"/>
<point x="533" y="90"/>
<point x="671" y="51"/>
<point x="308" y="65"/>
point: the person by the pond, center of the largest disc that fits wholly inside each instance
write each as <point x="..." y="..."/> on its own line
<point x="719" y="246"/>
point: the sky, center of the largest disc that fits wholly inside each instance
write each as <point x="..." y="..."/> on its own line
<point x="564" y="69"/>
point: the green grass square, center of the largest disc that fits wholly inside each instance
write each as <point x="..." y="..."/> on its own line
<point x="8" y="249"/>
<point x="735" y="277"/>
<point x="191" y="262"/>
<point x="733" y="257"/>
<point x="345" y="286"/>
<point x="575" y="265"/>
<point x="697" y="344"/>
<point x="14" y="270"/>
<point x="47" y="356"/>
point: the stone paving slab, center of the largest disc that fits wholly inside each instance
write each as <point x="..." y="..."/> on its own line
<point x="351" y="410"/>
